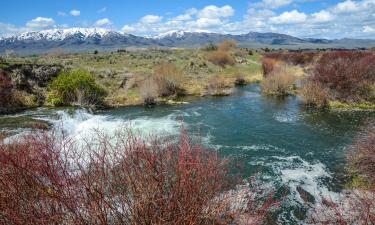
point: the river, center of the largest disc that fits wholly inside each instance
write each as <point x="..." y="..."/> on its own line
<point x="290" y="147"/>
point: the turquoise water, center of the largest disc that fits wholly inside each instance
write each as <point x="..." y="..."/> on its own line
<point x="294" y="150"/>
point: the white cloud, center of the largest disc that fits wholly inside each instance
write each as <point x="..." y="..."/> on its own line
<point x="213" y="12"/>
<point x="347" y="18"/>
<point x="289" y="18"/>
<point x="346" y="7"/>
<point x="103" y="22"/>
<point x="61" y="13"/>
<point x="40" y="23"/>
<point x="75" y="12"/>
<point x="207" y="22"/>
<point x="128" y="29"/>
<point x="322" y="16"/>
<point x="9" y="29"/>
<point x="151" y="19"/>
<point x="102" y="10"/>
<point x="273" y="4"/>
<point x="368" y="29"/>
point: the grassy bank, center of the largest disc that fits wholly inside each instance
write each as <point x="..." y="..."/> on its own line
<point x="122" y="73"/>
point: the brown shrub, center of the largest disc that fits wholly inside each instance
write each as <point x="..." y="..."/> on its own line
<point x="49" y="179"/>
<point x="268" y="65"/>
<point x="349" y="75"/>
<point x="6" y="88"/>
<point x="149" y="91"/>
<point x="168" y="79"/>
<point x="217" y="82"/>
<point x="315" y="95"/>
<point x="279" y="82"/>
<point x="362" y="157"/>
<point x="227" y="45"/>
<point x="294" y="58"/>
<point x="221" y="58"/>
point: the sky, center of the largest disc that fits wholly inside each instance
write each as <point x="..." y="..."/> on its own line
<point x="302" y="18"/>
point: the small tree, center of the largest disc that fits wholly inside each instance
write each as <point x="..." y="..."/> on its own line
<point x="75" y="87"/>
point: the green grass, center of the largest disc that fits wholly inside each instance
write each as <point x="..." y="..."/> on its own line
<point x="111" y="68"/>
<point x="336" y="105"/>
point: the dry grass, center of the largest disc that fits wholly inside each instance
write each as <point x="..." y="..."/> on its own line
<point x="148" y="91"/>
<point x="219" y="85"/>
<point x="227" y="45"/>
<point x="279" y="82"/>
<point x="268" y="65"/>
<point x="221" y="58"/>
<point x="315" y="95"/>
<point x="168" y="79"/>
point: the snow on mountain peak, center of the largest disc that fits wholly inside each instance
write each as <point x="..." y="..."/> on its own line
<point x="61" y="34"/>
<point x="173" y="33"/>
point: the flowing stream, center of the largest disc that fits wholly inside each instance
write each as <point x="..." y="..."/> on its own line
<point x="293" y="149"/>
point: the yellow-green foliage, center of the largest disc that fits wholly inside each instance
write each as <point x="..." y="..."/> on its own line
<point x="168" y="79"/>
<point x="75" y="87"/>
<point x="279" y="82"/>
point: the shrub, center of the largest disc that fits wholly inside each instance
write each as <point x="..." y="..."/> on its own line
<point x="210" y="47"/>
<point x="315" y="95"/>
<point x="268" y="65"/>
<point x="218" y="86"/>
<point x="294" y="58"/>
<point x="75" y="87"/>
<point x="349" y="75"/>
<point x="221" y="58"/>
<point x="49" y="180"/>
<point x="356" y="205"/>
<point x="6" y="87"/>
<point x="279" y="82"/>
<point x="227" y="45"/>
<point x="149" y="91"/>
<point x="362" y="157"/>
<point x="168" y="79"/>
<point x="240" y="80"/>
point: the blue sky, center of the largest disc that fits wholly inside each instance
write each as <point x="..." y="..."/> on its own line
<point x="303" y="18"/>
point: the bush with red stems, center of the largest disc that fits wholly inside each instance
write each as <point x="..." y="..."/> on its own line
<point x="51" y="179"/>
<point x="349" y="75"/>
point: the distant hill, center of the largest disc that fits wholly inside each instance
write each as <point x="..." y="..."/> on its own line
<point x="88" y="39"/>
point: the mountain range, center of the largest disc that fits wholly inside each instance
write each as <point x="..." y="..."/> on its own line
<point x="88" y="39"/>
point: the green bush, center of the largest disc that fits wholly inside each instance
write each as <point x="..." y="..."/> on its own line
<point x="76" y="87"/>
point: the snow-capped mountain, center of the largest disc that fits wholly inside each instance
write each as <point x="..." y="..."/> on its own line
<point x="89" y="39"/>
<point x="62" y="34"/>
<point x="171" y="34"/>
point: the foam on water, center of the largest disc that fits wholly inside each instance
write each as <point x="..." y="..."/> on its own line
<point x="285" y="117"/>
<point x="82" y="124"/>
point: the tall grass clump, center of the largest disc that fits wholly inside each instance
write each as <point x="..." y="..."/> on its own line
<point x="227" y="45"/>
<point x="47" y="178"/>
<point x="280" y="81"/>
<point x="149" y="91"/>
<point x="268" y="65"/>
<point x="76" y="87"/>
<point x="349" y="75"/>
<point x="221" y="58"/>
<point x="169" y="79"/>
<point x="315" y="95"/>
